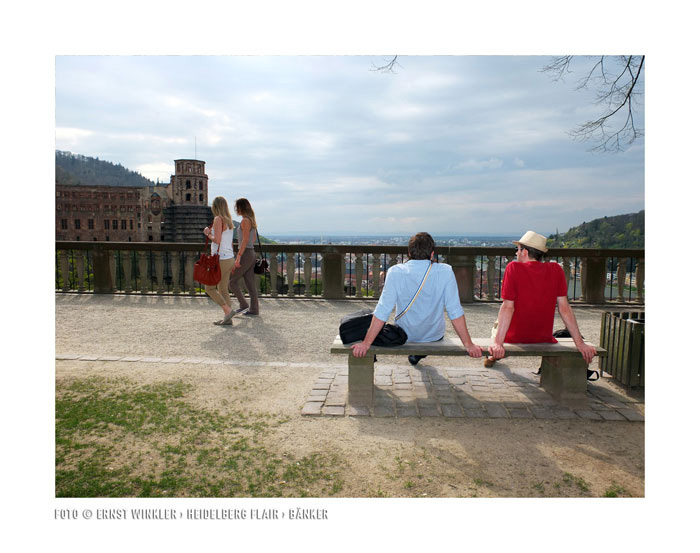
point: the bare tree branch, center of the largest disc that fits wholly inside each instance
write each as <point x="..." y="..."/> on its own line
<point x="616" y="88"/>
<point x="389" y="67"/>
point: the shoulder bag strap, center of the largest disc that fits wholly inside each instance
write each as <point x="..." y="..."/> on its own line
<point x="257" y="234"/>
<point x="420" y="287"/>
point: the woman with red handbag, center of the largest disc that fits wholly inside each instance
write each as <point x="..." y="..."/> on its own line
<point x="245" y="260"/>
<point x="221" y="236"/>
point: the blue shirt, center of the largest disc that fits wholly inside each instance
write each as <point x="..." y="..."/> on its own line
<point x="425" y="321"/>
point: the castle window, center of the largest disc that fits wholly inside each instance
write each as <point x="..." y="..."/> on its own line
<point x="91" y="224"/>
<point x="201" y="186"/>
<point x="77" y="224"/>
<point x="123" y="224"/>
<point x="115" y="224"/>
<point x="131" y="224"/>
<point x="188" y="197"/>
<point x="106" y="224"/>
<point x="64" y="224"/>
<point x="201" y="197"/>
<point x="188" y="185"/>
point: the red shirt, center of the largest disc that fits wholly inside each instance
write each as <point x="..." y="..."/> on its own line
<point x="534" y="287"/>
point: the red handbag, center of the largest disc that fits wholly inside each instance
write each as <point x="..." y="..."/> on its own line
<point x="207" y="269"/>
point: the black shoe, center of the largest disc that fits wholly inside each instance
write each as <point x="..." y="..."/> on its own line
<point x="413" y="359"/>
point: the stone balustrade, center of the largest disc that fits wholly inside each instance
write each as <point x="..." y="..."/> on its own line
<point x="333" y="271"/>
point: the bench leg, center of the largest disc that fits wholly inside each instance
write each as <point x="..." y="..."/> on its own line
<point x="564" y="378"/>
<point x="361" y="380"/>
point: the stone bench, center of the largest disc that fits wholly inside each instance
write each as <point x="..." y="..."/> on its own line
<point x="563" y="373"/>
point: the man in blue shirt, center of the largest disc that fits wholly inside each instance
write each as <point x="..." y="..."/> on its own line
<point x="423" y="321"/>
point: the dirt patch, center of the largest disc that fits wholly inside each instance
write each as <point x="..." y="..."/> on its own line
<point x="396" y="457"/>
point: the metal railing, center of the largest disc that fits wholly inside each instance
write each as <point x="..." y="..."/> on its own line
<point x="336" y="271"/>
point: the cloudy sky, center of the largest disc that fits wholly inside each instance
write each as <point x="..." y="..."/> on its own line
<point x="324" y="144"/>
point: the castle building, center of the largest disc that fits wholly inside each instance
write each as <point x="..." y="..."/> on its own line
<point x="173" y="212"/>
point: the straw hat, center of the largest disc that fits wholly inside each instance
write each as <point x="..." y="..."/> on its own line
<point x="533" y="240"/>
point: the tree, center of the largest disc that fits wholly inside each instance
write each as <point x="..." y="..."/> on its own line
<point x="618" y="82"/>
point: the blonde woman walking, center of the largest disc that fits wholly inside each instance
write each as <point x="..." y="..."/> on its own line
<point x="221" y="236"/>
<point x="245" y="260"/>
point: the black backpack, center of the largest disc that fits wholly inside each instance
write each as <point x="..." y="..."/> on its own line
<point x="354" y="326"/>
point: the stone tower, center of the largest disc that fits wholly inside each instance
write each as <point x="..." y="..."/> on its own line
<point x="189" y="185"/>
<point x="189" y="211"/>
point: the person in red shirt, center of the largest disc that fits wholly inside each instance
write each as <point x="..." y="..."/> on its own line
<point x="532" y="290"/>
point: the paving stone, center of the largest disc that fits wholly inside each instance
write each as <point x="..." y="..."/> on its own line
<point x="312" y="408"/>
<point x="588" y="414"/>
<point x="131" y="359"/>
<point x="333" y="411"/>
<point x="428" y="411"/>
<point x="542" y="413"/>
<point x="114" y="358"/>
<point x="67" y="357"/>
<point x="475" y="413"/>
<point x="631" y="414"/>
<point x="357" y="411"/>
<point x="520" y="413"/>
<point x="382" y="411"/>
<point x="89" y="358"/>
<point x="517" y="404"/>
<point x="403" y="386"/>
<point x="470" y="402"/>
<point x="406" y="411"/>
<point x="383" y="380"/>
<point x="496" y="410"/>
<point x="457" y="380"/>
<point x="452" y="411"/>
<point x="480" y="388"/>
<point x="447" y="400"/>
<point x="564" y="414"/>
<point x="335" y="401"/>
<point x="168" y="360"/>
<point x="611" y="416"/>
<point x="152" y="360"/>
<point x="321" y="386"/>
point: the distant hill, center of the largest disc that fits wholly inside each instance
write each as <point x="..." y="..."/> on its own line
<point x="618" y="231"/>
<point x="90" y="171"/>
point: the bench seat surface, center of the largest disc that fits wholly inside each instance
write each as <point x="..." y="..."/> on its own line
<point x="453" y="346"/>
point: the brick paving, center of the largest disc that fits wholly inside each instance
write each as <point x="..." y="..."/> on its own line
<point x="462" y="393"/>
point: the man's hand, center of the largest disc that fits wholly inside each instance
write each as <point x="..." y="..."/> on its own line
<point x="474" y="351"/>
<point x="587" y="352"/>
<point x="497" y="351"/>
<point x="360" y="349"/>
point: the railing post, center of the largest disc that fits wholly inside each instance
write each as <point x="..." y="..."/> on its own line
<point x="80" y="270"/>
<point x="566" y="266"/>
<point x="159" y="271"/>
<point x="65" y="269"/>
<point x="113" y="270"/>
<point x="393" y="260"/>
<point x="491" y="276"/>
<point x="639" y="280"/>
<point x="463" y="267"/>
<point x="189" y="272"/>
<point x="376" y="259"/>
<point x="175" y="271"/>
<point x="621" y="278"/>
<point x="332" y="267"/>
<point x="594" y="287"/>
<point x="273" y="274"/>
<point x="143" y="272"/>
<point x="101" y="270"/>
<point x="126" y="263"/>
<point x="359" y="269"/>
<point x="291" y="267"/>
<point x="307" y="274"/>
<point x="584" y="270"/>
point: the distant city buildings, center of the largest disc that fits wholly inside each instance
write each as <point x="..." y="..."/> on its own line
<point x="173" y="212"/>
